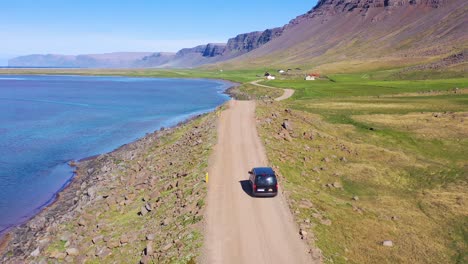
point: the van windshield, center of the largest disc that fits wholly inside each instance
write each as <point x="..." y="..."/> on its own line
<point x="266" y="180"/>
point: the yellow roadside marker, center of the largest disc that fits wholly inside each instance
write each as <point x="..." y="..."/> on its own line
<point x="206" y="177"/>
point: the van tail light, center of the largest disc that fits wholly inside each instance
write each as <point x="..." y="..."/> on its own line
<point x="255" y="187"/>
<point x="277" y="187"/>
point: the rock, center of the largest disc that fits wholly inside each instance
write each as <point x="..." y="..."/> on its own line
<point x="355" y="198"/>
<point x="343" y="159"/>
<point x="97" y="239"/>
<point x="73" y="252"/>
<point x="149" y="249"/>
<point x="144" y="260"/>
<point x="102" y="252"/>
<point x="143" y="211"/>
<point x="91" y="192"/>
<point x="148" y="207"/>
<point x="287" y="125"/>
<point x="36" y="252"/>
<point x="308" y="135"/>
<point x="387" y="243"/>
<point x="166" y="247"/>
<point x="150" y="237"/>
<point x="113" y="244"/>
<point x="337" y="185"/>
<point x="37" y="223"/>
<point x="124" y="239"/>
<point x="165" y="222"/>
<point x="303" y="234"/>
<point x="357" y="209"/>
<point x="326" y="159"/>
<point x="65" y="236"/>
<point x="58" y="255"/>
<point x="82" y="222"/>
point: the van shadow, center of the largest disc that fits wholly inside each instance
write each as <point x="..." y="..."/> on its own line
<point x="246" y="187"/>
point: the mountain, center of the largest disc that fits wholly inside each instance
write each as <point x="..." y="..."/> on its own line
<point x="335" y="35"/>
<point x="218" y="52"/>
<point x="338" y="34"/>
<point x="106" y="60"/>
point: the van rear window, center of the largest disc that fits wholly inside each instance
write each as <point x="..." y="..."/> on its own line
<point x="266" y="180"/>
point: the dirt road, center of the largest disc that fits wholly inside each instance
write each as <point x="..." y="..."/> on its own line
<point x="287" y="92"/>
<point x="242" y="229"/>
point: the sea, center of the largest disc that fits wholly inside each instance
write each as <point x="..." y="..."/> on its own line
<point x="47" y="121"/>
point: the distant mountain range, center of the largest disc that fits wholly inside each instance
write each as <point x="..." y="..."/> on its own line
<point x="364" y="33"/>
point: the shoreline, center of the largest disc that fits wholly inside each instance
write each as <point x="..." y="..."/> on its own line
<point x="64" y="206"/>
<point x="50" y="208"/>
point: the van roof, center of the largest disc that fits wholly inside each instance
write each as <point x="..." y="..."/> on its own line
<point x="264" y="170"/>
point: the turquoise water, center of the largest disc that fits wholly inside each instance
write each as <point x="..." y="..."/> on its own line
<point x="46" y="121"/>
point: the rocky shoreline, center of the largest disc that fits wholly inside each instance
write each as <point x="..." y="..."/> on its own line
<point x="140" y="203"/>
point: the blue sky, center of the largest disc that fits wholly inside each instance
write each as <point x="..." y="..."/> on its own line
<point x="97" y="26"/>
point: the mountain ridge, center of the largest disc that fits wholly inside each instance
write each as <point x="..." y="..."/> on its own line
<point x="333" y="31"/>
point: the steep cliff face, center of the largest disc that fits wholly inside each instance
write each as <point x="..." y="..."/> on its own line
<point x="408" y="31"/>
<point x="247" y="42"/>
<point x="213" y="50"/>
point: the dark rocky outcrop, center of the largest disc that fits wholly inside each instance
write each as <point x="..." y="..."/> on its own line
<point x="244" y="43"/>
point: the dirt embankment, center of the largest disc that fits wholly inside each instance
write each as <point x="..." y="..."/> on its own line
<point x="142" y="202"/>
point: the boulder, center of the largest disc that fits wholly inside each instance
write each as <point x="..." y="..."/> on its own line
<point x="102" y="252"/>
<point x="73" y="252"/>
<point x="149" y="249"/>
<point x="387" y="243"/>
<point x="287" y="125"/>
<point x="37" y="223"/>
<point x="36" y="252"/>
<point x="166" y="247"/>
<point x="143" y="211"/>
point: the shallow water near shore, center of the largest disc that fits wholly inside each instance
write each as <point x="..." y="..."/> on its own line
<point x="46" y="121"/>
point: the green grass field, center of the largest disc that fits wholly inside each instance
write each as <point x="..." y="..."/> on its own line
<point x="399" y="147"/>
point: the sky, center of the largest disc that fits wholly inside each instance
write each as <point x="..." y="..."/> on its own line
<point x="99" y="26"/>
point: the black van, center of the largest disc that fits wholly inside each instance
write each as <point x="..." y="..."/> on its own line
<point x="263" y="182"/>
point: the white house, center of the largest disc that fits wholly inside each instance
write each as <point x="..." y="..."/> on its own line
<point x="281" y="71"/>
<point x="270" y="77"/>
<point x="312" y="77"/>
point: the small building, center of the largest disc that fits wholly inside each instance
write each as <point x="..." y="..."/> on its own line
<point x="312" y="76"/>
<point x="281" y="71"/>
<point x="268" y="76"/>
